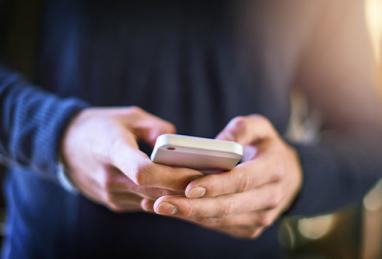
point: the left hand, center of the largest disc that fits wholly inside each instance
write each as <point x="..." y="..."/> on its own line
<point x="249" y="198"/>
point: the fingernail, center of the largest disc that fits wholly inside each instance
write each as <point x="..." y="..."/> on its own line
<point x="197" y="192"/>
<point x="167" y="209"/>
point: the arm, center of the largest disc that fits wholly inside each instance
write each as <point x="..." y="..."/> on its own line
<point x="32" y="122"/>
<point x="98" y="146"/>
<point x="336" y="74"/>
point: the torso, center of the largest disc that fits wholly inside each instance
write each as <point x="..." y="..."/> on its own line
<point x="185" y="61"/>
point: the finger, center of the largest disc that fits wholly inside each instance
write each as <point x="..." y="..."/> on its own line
<point x="147" y="205"/>
<point x="116" y="182"/>
<point x="249" y="221"/>
<point x="111" y="180"/>
<point x="148" y="127"/>
<point x="126" y="197"/>
<point x="247" y="130"/>
<point x="244" y="177"/>
<point x="129" y="207"/>
<point x="241" y="232"/>
<point x="241" y="226"/>
<point x="250" y="153"/>
<point x="254" y="200"/>
<point x="234" y="231"/>
<point x="249" y="225"/>
<point x="143" y="172"/>
<point x="122" y="202"/>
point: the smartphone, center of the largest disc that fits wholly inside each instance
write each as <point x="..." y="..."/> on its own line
<point x="206" y="155"/>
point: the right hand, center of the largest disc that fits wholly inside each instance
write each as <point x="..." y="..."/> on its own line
<point x="103" y="160"/>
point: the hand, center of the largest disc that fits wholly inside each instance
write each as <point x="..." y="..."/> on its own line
<point x="246" y="200"/>
<point x="104" y="162"/>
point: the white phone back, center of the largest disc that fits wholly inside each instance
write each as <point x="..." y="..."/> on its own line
<point x="196" y="153"/>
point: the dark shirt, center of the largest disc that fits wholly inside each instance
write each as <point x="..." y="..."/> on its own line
<point x="184" y="61"/>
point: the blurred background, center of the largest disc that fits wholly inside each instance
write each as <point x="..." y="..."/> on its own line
<point x="351" y="232"/>
<point x="304" y="122"/>
<point x="373" y="10"/>
<point x="354" y="231"/>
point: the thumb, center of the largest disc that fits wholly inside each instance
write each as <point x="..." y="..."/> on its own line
<point x="247" y="130"/>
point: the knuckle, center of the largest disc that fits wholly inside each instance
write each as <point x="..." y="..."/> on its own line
<point x="115" y="208"/>
<point x="112" y="203"/>
<point x="188" y="210"/>
<point x="279" y="174"/>
<point x="274" y="199"/>
<point x="105" y="179"/>
<point x="273" y="202"/>
<point x="135" y="109"/>
<point x="142" y="174"/>
<point x="211" y="222"/>
<point x="140" y="177"/>
<point x="226" y="208"/>
<point x="260" y="119"/>
<point x="244" y="182"/>
<point x="107" y="182"/>
<point x="156" y="192"/>
<point x="278" y="200"/>
<point x="212" y="183"/>
<point x="170" y="127"/>
<point x="276" y="172"/>
<point x="110" y="200"/>
<point x="265" y="220"/>
<point x="238" y="120"/>
<point x="255" y="233"/>
<point x="239" y="123"/>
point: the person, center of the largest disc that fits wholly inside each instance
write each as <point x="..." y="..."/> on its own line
<point x="111" y="76"/>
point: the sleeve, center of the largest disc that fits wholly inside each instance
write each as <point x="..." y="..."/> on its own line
<point x="336" y="174"/>
<point x="337" y="76"/>
<point x="32" y="123"/>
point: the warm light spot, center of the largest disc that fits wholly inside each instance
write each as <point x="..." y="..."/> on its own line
<point x="373" y="200"/>
<point x="315" y="228"/>
<point x="374" y="20"/>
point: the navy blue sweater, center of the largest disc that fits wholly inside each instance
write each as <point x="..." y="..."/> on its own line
<point x="187" y="62"/>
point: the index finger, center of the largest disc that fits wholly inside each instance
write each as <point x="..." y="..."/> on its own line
<point x="247" y="129"/>
<point x="142" y="171"/>
<point x="244" y="177"/>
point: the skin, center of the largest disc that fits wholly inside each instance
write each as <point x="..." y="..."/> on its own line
<point x="113" y="171"/>
<point x="104" y="162"/>
<point x="245" y="201"/>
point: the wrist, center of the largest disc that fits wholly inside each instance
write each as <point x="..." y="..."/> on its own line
<point x="69" y="138"/>
<point x="64" y="179"/>
<point x="63" y="164"/>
